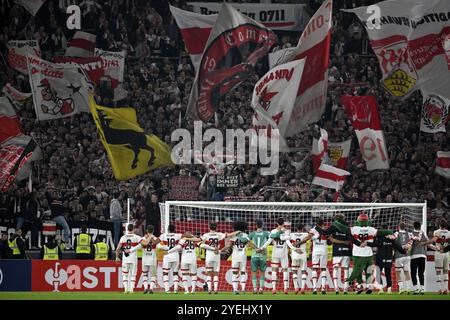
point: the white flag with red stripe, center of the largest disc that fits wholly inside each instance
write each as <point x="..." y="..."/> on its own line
<point x="443" y="164"/>
<point x="195" y="29"/>
<point x="314" y="45"/>
<point x="338" y="152"/>
<point x="330" y="177"/>
<point x="319" y="149"/>
<point x="82" y="45"/>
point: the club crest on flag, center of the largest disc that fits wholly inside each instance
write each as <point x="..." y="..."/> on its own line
<point x="434" y="113"/>
<point x="265" y="98"/>
<point x="335" y="153"/>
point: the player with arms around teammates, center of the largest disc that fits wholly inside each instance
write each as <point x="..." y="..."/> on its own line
<point x="297" y="243"/>
<point x="129" y="259"/>
<point x="171" y="261"/>
<point x="259" y="258"/>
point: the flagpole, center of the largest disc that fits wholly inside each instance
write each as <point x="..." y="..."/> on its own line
<point x="30" y="182"/>
<point x="128" y="211"/>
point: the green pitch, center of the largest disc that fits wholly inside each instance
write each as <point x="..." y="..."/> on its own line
<point x="206" y="296"/>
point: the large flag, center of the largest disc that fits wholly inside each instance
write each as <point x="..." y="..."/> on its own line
<point x="234" y="46"/>
<point x="9" y="123"/>
<point x="330" y="177"/>
<point x="17" y="97"/>
<point x="93" y="67"/>
<point x="18" y="51"/>
<point x="319" y="149"/>
<point x="435" y="111"/>
<point x="58" y="92"/>
<point x="362" y="110"/>
<point x="81" y="45"/>
<point x="443" y="164"/>
<point x="338" y="152"/>
<point x="32" y="6"/>
<point x="273" y="99"/>
<point x="131" y="152"/>
<point x="195" y="29"/>
<point x="408" y="40"/>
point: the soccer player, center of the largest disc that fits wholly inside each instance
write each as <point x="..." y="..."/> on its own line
<point x="319" y="255"/>
<point x="171" y="261"/>
<point x="418" y="258"/>
<point x="342" y="252"/>
<point x="403" y="239"/>
<point x="259" y="258"/>
<point x="149" y="261"/>
<point x="278" y="237"/>
<point x="441" y="238"/>
<point x="298" y="257"/>
<point x="188" y="267"/>
<point x="239" y="257"/>
<point x="212" y="239"/>
<point x="129" y="260"/>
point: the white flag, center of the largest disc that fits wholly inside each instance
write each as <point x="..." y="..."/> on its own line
<point x="18" y="51"/>
<point x="435" y="111"/>
<point x="443" y="164"/>
<point x="81" y="45"/>
<point x="330" y="177"/>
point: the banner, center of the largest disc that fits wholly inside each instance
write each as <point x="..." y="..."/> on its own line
<point x="32" y="6"/>
<point x="408" y="40"/>
<point x="232" y="50"/>
<point x="15" y="275"/>
<point x="81" y="45"/>
<point x="338" y="152"/>
<point x="9" y="122"/>
<point x="362" y="110"/>
<point x="447" y="50"/>
<point x="113" y="63"/>
<point x="58" y="92"/>
<point x="435" y="111"/>
<point x="18" y="51"/>
<point x="184" y="188"/>
<point x="330" y="177"/>
<point x="314" y="45"/>
<point x="16" y="97"/>
<point x="131" y="152"/>
<point x="273" y="99"/>
<point x="292" y="17"/>
<point x="443" y="164"/>
<point x="92" y="67"/>
<point x="227" y="181"/>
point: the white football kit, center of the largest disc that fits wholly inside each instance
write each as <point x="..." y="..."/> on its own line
<point x="188" y="256"/>
<point x="443" y="240"/>
<point x="319" y="252"/>
<point x="239" y="255"/>
<point x="149" y="260"/>
<point x="129" y="263"/>
<point x="212" y="259"/>
<point x="279" y="251"/>
<point x="299" y="260"/>
<point x="171" y="261"/>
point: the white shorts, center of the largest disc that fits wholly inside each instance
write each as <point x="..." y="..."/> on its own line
<point x="130" y="268"/>
<point x="152" y="268"/>
<point x="319" y="261"/>
<point x="213" y="263"/>
<point x="300" y="263"/>
<point x="190" y="266"/>
<point x="441" y="260"/>
<point x="343" y="261"/>
<point x="170" y="264"/>
<point x="282" y="262"/>
<point x="239" y="262"/>
<point x="403" y="263"/>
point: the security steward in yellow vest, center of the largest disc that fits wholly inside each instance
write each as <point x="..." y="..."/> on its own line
<point x="50" y="250"/>
<point x="101" y="249"/>
<point x="83" y="245"/>
<point x="17" y="245"/>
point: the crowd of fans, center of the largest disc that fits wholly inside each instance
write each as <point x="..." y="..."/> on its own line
<point x="74" y="179"/>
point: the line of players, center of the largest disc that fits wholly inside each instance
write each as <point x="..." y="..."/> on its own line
<point x="281" y="239"/>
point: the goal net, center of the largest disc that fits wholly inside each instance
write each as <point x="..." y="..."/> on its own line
<point x="196" y="216"/>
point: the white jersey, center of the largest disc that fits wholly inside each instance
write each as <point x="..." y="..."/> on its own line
<point x="319" y="243"/>
<point x="280" y="247"/>
<point x="295" y="239"/>
<point x="171" y="240"/>
<point x="148" y="254"/>
<point x="214" y="240"/>
<point x="129" y="241"/>
<point x="443" y="238"/>
<point x="188" y="254"/>
<point x="239" y="247"/>
<point x="363" y="234"/>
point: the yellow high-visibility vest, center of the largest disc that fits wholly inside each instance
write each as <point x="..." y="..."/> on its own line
<point x="83" y="243"/>
<point x="140" y="253"/>
<point x="50" y="254"/>
<point x="101" y="251"/>
<point x="13" y="246"/>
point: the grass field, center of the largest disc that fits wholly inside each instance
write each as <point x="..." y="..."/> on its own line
<point x="205" y="296"/>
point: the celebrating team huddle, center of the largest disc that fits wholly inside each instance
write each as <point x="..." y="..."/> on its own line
<point x="354" y="243"/>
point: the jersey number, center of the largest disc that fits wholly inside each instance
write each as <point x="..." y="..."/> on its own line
<point x="128" y="246"/>
<point x="171" y="242"/>
<point x="214" y="242"/>
<point x="363" y="237"/>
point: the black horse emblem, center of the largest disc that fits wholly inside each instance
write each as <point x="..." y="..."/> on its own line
<point x="133" y="140"/>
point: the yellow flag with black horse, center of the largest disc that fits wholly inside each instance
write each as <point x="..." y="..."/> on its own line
<point x="131" y="152"/>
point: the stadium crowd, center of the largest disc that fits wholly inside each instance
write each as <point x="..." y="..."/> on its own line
<point x="158" y="77"/>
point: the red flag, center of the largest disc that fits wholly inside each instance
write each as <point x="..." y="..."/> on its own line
<point x="443" y="164"/>
<point x="330" y="177"/>
<point x="364" y="115"/>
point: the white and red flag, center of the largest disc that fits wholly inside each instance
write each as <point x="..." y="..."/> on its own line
<point x="446" y="45"/>
<point x="338" y="153"/>
<point x="314" y="45"/>
<point x="330" y="177"/>
<point x="273" y="98"/>
<point x="443" y="164"/>
<point x="9" y="123"/>
<point x="81" y="45"/>
<point x="319" y="149"/>
<point x="435" y="112"/>
<point x="408" y="40"/>
<point x="17" y="97"/>
<point x="195" y="29"/>
<point x="18" y="51"/>
<point x="234" y="46"/>
<point x="362" y="111"/>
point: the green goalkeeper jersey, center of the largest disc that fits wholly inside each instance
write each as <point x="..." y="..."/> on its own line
<point x="259" y="238"/>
